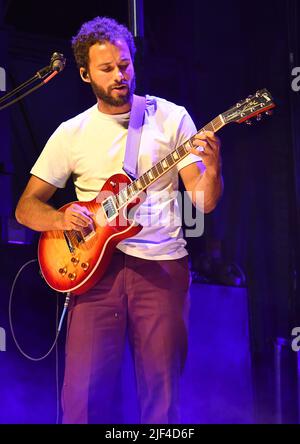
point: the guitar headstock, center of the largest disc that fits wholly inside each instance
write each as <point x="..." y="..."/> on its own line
<point x="255" y="105"/>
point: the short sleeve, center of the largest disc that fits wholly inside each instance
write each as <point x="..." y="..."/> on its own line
<point x="53" y="164"/>
<point x="185" y="131"/>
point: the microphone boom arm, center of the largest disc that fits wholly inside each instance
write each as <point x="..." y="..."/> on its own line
<point x="57" y="64"/>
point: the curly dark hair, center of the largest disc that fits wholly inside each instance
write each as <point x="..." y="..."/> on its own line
<point x="98" y="30"/>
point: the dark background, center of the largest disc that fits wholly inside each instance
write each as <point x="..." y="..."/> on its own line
<point x="205" y="56"/>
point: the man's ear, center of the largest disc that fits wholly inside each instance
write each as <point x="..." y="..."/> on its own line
<point x="84" y="75"/>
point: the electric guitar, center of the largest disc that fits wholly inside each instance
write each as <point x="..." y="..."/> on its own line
<point x="73" y="261"/>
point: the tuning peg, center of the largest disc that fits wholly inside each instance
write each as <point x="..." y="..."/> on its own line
<point x="269" y="113"/>
<point x="249" y="122"/>
<point x="258" y="117"/>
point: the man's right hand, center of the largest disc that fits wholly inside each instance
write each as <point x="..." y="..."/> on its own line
<point x="34" y="212"/>
<point x="75" y="217"/>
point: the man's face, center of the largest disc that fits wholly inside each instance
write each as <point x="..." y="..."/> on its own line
<point x="111" y="72"/>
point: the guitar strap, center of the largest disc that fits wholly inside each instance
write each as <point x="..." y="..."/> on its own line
<point x="135" y="127"/>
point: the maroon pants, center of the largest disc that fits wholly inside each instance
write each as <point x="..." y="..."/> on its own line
<point x="149" y="300"/>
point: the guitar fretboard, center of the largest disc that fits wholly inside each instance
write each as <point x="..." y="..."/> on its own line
<point x="163" y="166"/>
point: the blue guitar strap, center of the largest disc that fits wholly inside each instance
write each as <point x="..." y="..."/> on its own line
<point x="135" y="127"/>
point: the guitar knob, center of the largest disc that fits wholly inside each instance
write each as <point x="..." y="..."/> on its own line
<point x="75" y="260"/>
<point x="72" y="276"/>
<point x="63" y="271"/>
<point x="85" y="265"/>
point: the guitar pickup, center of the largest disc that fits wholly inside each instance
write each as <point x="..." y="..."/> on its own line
<point x="109" y="208"/>
<point x="79" y="237"/>
<point x="86" y="233"/>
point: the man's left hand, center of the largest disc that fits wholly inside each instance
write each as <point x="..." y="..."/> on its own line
<point x="210" y="152"/>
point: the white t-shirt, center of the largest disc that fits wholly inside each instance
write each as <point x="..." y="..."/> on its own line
<point x="91" y="147"/>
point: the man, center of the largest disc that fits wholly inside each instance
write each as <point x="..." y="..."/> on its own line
<point x="145" y="289"/>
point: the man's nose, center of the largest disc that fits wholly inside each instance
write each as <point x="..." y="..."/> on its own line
<point x="119" y="74"/>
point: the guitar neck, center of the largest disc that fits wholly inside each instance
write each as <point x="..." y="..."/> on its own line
<point x="163" y="166"/>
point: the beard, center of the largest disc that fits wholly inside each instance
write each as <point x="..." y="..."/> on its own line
<point x="106" y="95"/>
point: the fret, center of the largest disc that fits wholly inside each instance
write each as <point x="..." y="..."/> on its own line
<point x="181" y="150"/>
<point x="139" y="185"/>
<point x="177" y="152"/>
<point x="214" y="125"/>
<point x="218" y="123"/>
<point x="132" y="189"/>
<point x="135" y="187"/>
<point x="146" y="178"/>
<point x="190" y="143"/>
<point x="117" y="200"/>
<point x="170" y="160"/>
<point x="208" y="127"/>
<point x="142" y="181"/>
<point x="155" y="172"/>
<point x="114" y="200"/>
<point x="123" y="195"/>
<point x="175" y="156"/>
<point x="150" y="175"/>
<point x="164" y="164"/>
<point x="129" y="190"/>
<point x="159" y="168"/>
<point x="184" y="148"/>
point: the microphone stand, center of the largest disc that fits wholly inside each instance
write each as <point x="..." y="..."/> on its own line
<point x="45" y="75"/>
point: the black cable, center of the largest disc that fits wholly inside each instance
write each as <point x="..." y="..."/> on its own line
<point x="58" y="326"/>
<point x="57" y="364"/>
<point x="11" y="323"/>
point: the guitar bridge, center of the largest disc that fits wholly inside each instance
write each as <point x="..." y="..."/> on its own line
<point x="69" y="242"/>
